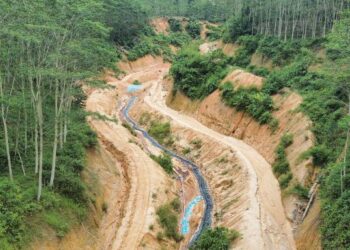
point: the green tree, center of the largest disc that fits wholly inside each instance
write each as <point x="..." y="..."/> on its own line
<point x="218" y="238"/>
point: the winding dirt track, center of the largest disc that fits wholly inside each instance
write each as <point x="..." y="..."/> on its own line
<point x="266" y="224"/>
<point x="125" y="229"/>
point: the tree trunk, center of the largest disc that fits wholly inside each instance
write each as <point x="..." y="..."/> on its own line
<point x="6" y="137"/>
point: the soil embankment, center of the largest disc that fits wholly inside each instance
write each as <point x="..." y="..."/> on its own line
<point x="264" y="218"/>
<point x="240" y="125"/>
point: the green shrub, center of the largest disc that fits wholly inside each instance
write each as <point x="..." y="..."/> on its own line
<point x="335" y="223"/>
<point x="105" y="207"/>
<point x="156" y="45"/>
<point x="161" y="132"/>
<point x="193" y="28"/>
<point x="242" y="57"/>
<point x="259" y="71"/>
<point x="12" y="212"/>
<point x="281" y="52"/>
<point x="281" y="166"/>
<point x="332" y="185"/>
<point x="214" y="32"/>
<point x="217" y="238"/>
<point x="176" y="205"/>
<point x="197" y="143"/>
<point x="237" y="26"/>
<point x="285" y="179"/>
<point x="285" y="77"/>
<point x="198" y="75"/>
<point x="57" y="222"/>
<point x="300" y="191"/>
<point x="250" y="43"/>
<point x="168" y="219"/>
<point x="320" y="155"/>
<point x="174" y="25"/>
<point x="164" y="161"/>
<point x="286" y="140"/>
<point x="160" y="236"/>
<point x="186" y="151"/>
<point x="136" y="82"/>
<point x="252" y="101"/>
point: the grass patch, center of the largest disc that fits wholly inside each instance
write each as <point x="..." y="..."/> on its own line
<point x="136" y="82"/>
<point x="281" y="166"/>
<point x="99" y="116"/>
<point x="257" y="104"/>
<point x="165" y="162"/>
<point x="168" y="219"/>
<point x="197" y="143"/>
<point x="161" y="132"/>
<point x="299" y="190"/>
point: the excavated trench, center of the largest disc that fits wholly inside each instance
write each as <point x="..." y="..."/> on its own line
<point x="202" y="184"/>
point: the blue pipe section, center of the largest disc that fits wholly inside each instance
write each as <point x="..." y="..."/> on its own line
<point x="185" y="223"/>
<point x="203" y="187"/>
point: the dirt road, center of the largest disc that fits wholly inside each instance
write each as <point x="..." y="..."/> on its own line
<point x="265" y="223"/>
<point x="126" y="228"/>
<point x="265" y="220"/>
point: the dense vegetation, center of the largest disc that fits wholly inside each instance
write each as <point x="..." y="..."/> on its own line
<point x="281" y="165"/>
<point x="198" y="75"/>
<point x="161" y="131"/>
<point x="217" y="238"/>
<point x="157" y="45"/>
<point x="284" y="19"/>
<point x="323" y="83"/>
<point x="164" y="161"/>
<point x="46" y="49"/>
<point x="212" y="10"/>
<point x="252" y="101"/>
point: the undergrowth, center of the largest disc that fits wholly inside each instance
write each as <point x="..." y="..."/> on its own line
<point x="168" y="218"/>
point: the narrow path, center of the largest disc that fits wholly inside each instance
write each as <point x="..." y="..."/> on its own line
<point x="203" y="186"/>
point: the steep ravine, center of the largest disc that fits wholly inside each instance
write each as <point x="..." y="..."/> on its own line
<point x="266" y="224"/>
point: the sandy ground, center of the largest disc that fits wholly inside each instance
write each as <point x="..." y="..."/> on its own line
<point x="265" y="220"/>
<point x="126" y="227"/>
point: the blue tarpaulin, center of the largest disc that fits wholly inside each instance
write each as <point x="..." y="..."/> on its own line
<point x="134" y="88"/>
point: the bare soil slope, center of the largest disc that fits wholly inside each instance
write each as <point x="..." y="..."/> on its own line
<point x="265" y="223"/>
<point x="216" y="115"/>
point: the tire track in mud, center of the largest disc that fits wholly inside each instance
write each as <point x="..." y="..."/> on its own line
<point x="203" y="186"/>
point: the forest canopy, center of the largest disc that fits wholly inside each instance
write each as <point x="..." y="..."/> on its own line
<point x="46" y="49"/>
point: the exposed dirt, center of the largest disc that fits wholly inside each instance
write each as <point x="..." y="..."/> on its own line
<point x="132" y="221"/>
<point x="160" y="25"/>
<point x="228" y="49"/>
<point x="308" y="235"/>
<point x="260" y="61"/>
<point x="242" y="126"/>
<point x="243" y="79"/>
<point x="103" y="176"/>
<point x="227" y="180"/>
<point x="265" y="224"/>
<point x="246" y="193"/>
